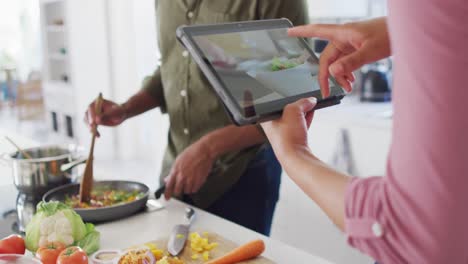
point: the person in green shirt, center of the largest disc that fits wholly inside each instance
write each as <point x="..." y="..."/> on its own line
<point x="210" y="163"/>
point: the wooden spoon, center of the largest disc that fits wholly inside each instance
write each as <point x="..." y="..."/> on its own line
<point x="87" y="181"/>
<point x="20" y="150"/>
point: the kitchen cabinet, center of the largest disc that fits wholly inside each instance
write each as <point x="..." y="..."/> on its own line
<point x="106" y="46"/>
<point x="76" y="67"/>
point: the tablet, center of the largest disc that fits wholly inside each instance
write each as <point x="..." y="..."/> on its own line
<point x="255" y="68"/>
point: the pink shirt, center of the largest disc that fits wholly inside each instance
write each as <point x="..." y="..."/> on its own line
<point x="418" y="212"/>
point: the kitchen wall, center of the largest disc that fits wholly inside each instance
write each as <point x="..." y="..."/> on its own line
<point x="134" y="55"/>
<point x="338" y="8"/>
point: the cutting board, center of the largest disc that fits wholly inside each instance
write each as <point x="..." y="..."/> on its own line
<point x="224" y="246"/>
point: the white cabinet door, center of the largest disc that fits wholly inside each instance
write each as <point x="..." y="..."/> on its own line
<point x="370" y="148"/>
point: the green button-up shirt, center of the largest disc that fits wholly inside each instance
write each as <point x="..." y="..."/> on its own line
<point x="184" y="93"/>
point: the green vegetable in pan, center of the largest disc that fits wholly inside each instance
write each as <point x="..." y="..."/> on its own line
<point x="277" y="64"/>
<point x="102" y="197"/>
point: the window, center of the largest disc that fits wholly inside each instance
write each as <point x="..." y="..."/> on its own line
<point x="345" y="10"/>
<point x="20" y="46"/>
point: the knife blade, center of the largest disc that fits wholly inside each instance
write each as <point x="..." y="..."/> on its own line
<point x="177" y="239"/>
<point x="180" y="233"/>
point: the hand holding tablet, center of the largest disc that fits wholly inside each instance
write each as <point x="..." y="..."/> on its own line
<point x="255" y="68"/>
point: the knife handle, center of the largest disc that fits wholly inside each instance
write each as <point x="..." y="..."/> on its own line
<point x="160" y="191"/>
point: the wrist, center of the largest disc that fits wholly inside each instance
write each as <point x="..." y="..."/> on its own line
<point x="288" y="154"/>
<point x="210" y="148"/>
<point x="125" y="110"/>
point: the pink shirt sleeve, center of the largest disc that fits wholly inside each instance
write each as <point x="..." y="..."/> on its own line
<point x="418" y="212"/>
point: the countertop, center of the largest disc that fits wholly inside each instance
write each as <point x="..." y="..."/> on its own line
<point x="150" y="226"/>
<point x="153" y="225"/>
<point x="352" y="112"/>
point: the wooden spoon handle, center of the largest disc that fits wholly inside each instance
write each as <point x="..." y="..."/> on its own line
<point x="20" y="150"/>
<point x="97" y="110"/>
<point x="87" y="180"/>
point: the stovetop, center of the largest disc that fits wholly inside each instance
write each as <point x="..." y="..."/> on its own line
<point x="8" y="213"/>
<point x="8" y="217"/>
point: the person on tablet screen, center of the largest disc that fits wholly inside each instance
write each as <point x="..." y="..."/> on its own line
<point x="227" y="170"/>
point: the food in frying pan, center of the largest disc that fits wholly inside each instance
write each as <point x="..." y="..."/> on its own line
<point x="102" y="197"/>
<point x="278" y="64"/>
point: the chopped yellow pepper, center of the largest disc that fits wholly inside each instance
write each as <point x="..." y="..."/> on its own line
<point x="201" y="245"/>
<point x="158" y="253"/>
<point x="206" y="255"/>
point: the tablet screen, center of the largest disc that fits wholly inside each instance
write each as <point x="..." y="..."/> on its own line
<point x="260" y="67"/>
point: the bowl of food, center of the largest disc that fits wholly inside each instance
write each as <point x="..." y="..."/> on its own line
<point x="106" y="256"/>
<point x="140" y="255"/>
<point x="145" y="256"/>
<point x="110" y="200"/>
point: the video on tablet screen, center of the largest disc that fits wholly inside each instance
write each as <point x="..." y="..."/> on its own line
<point x="260" y="66"/>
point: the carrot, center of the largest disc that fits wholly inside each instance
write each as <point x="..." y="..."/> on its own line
<point x="245" y="252"/>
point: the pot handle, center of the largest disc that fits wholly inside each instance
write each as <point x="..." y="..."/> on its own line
<point x="5" y="159"/>
<point x="73" y="164"/>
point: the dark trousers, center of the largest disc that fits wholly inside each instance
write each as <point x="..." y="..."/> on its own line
<point x="252" y="200"/>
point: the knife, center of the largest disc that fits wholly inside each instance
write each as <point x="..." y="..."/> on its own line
<point x="180" y="234"/>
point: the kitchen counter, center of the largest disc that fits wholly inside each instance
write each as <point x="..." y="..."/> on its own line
<point x="352" y="112"/>
<point x="154" y="225"/>
<point x="150" y="226"/>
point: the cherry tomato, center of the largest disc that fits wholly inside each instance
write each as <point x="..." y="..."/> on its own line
<point x="50" y="253"/>
<point x="72" y="255"/>
<point x="13" y="244"/>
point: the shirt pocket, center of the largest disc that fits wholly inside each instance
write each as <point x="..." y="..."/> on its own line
<point x="223" y="11"/>
<point x="226" y="6"/>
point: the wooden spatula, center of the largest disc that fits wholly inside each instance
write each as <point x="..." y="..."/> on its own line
<point x="87" y="180"/>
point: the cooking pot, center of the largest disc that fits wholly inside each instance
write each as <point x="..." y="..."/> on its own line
<point x="50" y="166"/>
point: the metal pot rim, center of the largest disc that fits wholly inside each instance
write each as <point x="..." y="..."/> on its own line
<point x="72" y="150"/>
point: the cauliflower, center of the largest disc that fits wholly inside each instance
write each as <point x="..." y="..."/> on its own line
<point x="55" y="228"/>
<point x="56" y="222"/>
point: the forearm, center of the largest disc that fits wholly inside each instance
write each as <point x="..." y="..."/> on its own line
<point x="321" y="183"/>
<point x="232" y="138"/>
<point x="140" y="103"/>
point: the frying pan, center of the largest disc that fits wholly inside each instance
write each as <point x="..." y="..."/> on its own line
<point x="108" y="213"/>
